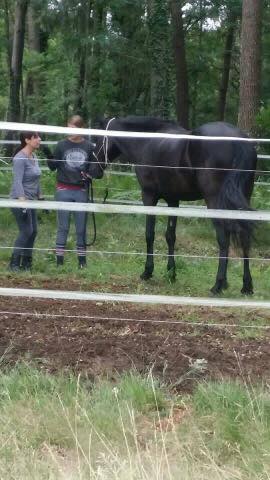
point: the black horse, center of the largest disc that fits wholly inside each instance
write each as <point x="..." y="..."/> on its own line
<point x="221" y="173"/>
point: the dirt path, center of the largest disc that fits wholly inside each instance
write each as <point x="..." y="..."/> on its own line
<point x="108" y="347"/>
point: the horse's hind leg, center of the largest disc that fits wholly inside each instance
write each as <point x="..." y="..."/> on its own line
<point x="223" y="239"/>
<point x="247" y="279"/>
<point x="170" y="238"/>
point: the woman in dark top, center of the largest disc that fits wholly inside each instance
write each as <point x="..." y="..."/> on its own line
<point x="71" y="161"/>
<point x="25" y="186"/>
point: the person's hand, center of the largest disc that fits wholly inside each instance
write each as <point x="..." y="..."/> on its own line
<point x="24" y="213"/>
<point x="86" y="176"/>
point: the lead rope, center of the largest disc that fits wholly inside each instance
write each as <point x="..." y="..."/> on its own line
<point x="105" y="150"/>
<point x="90" y="190"/>
<point x="90" y="199"/>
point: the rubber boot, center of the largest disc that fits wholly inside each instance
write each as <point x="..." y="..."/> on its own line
<point x="81" y="261"/>
<point x="59" y="260"/>
<point x="15" y="263"/>
<point x="26" y="263"/>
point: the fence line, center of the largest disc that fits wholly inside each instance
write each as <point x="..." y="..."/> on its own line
<point x="170" y="167"/>
<point x="190" y="212"/>
<point x="139" y="254"/>
<point x="133" y="298"/>
<point x="96" y="318"/>
<point x="15" y="126"/>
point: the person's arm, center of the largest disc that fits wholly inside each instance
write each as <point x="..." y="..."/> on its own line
<point x="18" y="173"/>
<point x="85" y="170"/>
<point x="52" y="162"/>
<point x="39" y="193"/>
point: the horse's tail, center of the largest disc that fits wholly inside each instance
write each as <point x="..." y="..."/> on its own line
<point x="237" y="189"/>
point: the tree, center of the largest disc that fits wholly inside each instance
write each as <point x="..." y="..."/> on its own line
<point x="230" y="21"/>
<point x="84" y="17"/>
<point x="31" y="89"/>
<point x="14" y="107"/>
<point x="250" y="64"/>
<point x="160" y="59"/>
<point x="182" y="93"/>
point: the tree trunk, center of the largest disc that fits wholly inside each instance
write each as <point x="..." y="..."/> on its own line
<point x="14" y="108"/>
<point x="32" y="82"/>
<point x="33" y="23"/>
<point x="227" y="58"/>
<point x="98" y="57"/>
<point x="197" y="70"/>
<point x="7" y="33"/>
<point x="160" y="60"/>
<point x="182" y="95"/>
<point x="250" y="64"/>
<point x="81" y="106"/>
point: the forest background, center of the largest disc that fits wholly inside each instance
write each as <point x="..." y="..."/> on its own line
<point x="194" y="61"/>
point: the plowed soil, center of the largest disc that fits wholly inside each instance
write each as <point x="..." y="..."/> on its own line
<point x="59" y="335"/>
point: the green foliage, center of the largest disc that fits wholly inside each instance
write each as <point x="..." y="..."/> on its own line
<point x="124" y="49"/>
<point x="263" y="121"/>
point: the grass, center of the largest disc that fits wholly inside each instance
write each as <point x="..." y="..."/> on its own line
<point x="63" y="427"/>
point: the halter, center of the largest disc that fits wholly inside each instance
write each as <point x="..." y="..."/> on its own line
<point x="104" y="146"/>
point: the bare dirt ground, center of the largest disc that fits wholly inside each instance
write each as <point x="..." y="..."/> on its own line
<point x="102" y="347"/>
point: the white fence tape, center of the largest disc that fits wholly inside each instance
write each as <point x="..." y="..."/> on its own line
<point x="187" y="212"/>
<point x="131" y="298"/>
<point x="112" y="133"/>
<point x="16" y="142"/>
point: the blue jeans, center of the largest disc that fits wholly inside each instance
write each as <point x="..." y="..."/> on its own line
<point x="63" y="217"/>
<point x="27" y="224"/>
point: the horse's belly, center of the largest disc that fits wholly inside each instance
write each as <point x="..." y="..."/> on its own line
<point x="183" y="190"/>
<point x="181" y="196"/>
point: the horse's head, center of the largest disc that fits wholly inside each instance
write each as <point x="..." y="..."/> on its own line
<point x="105" y="150"/>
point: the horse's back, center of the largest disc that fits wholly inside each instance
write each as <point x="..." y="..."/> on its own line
<point x="219" y="154"/>
<point x="216" y="160"/>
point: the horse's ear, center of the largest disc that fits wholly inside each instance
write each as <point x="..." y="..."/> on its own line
<point x="98" y="122"/>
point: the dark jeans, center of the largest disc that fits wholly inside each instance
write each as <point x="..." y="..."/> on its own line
<point x="63" y="216"/>
<point x="27" y="223"/>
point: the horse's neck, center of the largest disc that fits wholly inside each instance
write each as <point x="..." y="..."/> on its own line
<point x="131" y="149"/>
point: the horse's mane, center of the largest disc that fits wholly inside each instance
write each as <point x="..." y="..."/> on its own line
<point x="142" y="124"/>
<point x="151" y="124"/>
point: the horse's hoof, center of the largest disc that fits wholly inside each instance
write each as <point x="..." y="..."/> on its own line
<point x="219" y="287"/>
<point x="215" y="290"/>
<point x="171" y="275"/>
<point x="146" y="275"/>
<point x="247" y="291"/>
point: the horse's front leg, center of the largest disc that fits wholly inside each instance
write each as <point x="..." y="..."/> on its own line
<point x="149" y="237"/>
<point x="170" y="238"/>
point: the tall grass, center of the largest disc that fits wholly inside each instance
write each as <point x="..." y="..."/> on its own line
<point x="64" y="427"/>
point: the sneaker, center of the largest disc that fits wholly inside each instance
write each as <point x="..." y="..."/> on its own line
<point x="81" y="261"/>
<point x="59" y="260"/>
<point x="15" y="263"/>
